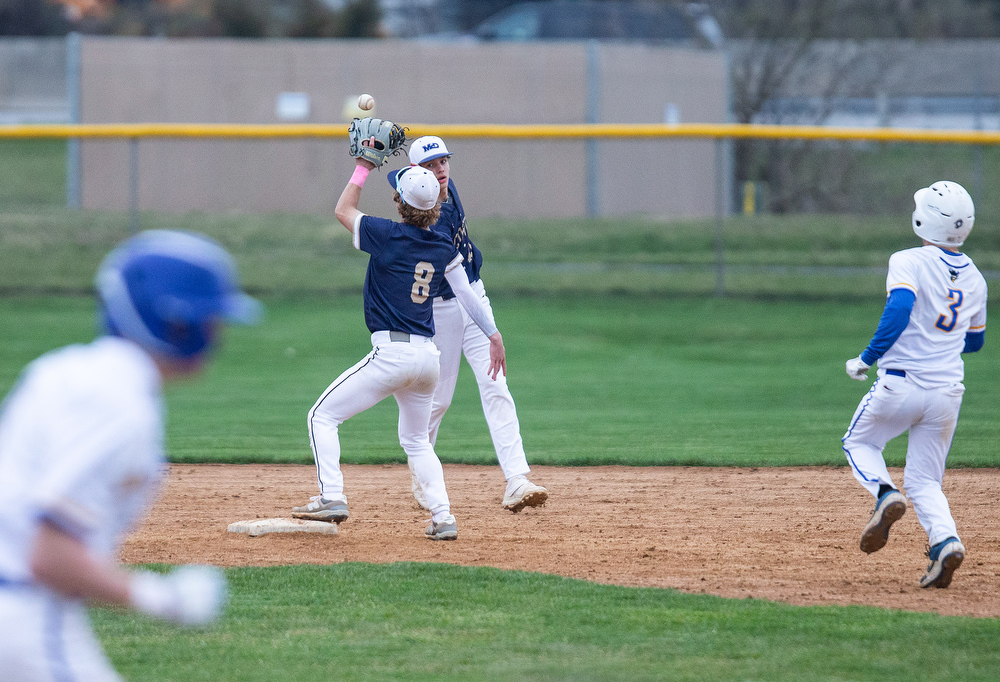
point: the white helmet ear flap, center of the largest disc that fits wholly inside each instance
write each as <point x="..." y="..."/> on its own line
<point x="943" y="214"/>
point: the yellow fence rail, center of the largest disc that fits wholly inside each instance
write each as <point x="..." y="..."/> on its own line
<point x="549" y="131"/>
<point x="718" y="132"/>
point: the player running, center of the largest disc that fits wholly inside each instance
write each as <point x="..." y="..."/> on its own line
<point x="936" y="310"/>
<point x="81" y="457"/>
<point x="457" y="333"/>
<point x="408" y="266"/>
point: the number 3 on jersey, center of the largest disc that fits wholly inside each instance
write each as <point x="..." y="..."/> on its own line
<point x="422" y="277"/>
<point x="946" y="322"/>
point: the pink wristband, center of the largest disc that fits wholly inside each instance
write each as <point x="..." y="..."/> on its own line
<point x="360" y="174"/>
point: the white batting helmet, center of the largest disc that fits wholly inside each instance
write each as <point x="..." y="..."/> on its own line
<point x="944" y="214"/>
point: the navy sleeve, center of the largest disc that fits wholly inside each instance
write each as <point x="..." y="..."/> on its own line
<point x="374" y="233"/>
<point x="894" y="319"/>
<point x="974" y="341"/>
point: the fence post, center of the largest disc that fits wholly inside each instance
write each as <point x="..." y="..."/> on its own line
<point x="593" y="116"/>
<point x="133" y="184"/>
<point x="977" y="150"/>
<point x="720" y="210"/>
<point x="74" y="195"/>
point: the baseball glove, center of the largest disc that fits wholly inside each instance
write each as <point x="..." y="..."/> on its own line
<point x="389" y="139"/>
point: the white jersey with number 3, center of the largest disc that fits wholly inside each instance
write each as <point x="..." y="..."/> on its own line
<point x="950" y="301"/>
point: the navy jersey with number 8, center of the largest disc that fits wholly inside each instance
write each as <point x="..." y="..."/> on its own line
<point x="406" y="271"/>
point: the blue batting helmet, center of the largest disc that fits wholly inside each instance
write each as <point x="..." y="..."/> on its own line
<point x="165" y="289"/>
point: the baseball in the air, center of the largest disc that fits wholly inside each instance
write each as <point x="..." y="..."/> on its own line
<point x="366" y="102"/>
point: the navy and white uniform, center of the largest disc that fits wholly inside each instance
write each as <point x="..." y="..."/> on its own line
<point x="81" y="447"/>
<point x="456" y="333"/>
<point x="407" y="268"/>
<point x="936" y="310"/>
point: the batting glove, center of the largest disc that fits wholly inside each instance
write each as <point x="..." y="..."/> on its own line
<point x="857" y="369"/>
<point x="190" y="595"/>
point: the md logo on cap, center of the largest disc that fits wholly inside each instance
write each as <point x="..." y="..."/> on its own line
<point x="427" y="148"/>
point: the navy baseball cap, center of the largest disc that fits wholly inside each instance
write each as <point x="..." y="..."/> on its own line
<point x="427" y="148"/>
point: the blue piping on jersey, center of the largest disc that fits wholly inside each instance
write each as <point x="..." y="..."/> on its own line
<point x="55" y="645"/>
<point x="894" y="319"/>
<point x="951" y="253"/>
<point x="7" y="582"/>
<point x="954" y="253"/>
<point x="312" y="413"/>
<point x="847" y="435"/>
<point x="63" y="524"/>
<point x="974" y="341"/>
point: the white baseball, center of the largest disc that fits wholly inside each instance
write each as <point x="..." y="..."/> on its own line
<point x="366" y="102"/>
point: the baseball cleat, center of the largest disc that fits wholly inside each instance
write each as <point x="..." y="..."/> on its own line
<point x="322" y="509"/>
<point x="446" y="529"/>
<point x="524" y="494"/>
<point x="889" y="509"/>
<point x="945" y="556"/>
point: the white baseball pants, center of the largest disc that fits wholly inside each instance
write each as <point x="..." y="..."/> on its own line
<point x="895" y="405"/>
<point x="47" y="638"/>
<point x="455" y="333"/>
<point x="407" y="371"/>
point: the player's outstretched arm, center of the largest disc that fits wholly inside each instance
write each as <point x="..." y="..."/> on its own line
<point x="347" y="206"/>
<point x="895" y="317"/>
<point x="481" y="315"/>
<point x="191" y="595"/>
<point x="63" y="564"/>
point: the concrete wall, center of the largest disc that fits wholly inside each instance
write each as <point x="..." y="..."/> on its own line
<point x="33" y="81"/>
<point x="229" y="81"/>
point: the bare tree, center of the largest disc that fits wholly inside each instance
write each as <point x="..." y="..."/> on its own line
<point x="820" y="51"/>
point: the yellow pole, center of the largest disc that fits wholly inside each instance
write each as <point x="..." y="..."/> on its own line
<point x="749" y="198"/>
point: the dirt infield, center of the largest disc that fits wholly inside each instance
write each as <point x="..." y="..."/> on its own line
<point x="788" y="534"/>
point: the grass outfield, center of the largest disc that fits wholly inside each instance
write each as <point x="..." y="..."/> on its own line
<point x="597" y="380"/>
<point x="47" y="250"/>
<point x="438" y="622"/>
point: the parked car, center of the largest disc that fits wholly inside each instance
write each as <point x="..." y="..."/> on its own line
<point x="653" y="22"/>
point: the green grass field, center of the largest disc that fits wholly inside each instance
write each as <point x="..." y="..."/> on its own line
<point x="618" y="353"/>
<point x="438" y="622"/>
<point x="598" y="380"/>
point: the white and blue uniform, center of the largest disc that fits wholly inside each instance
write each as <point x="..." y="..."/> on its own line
<point x="406" y="270"/>
<point x="81" y="447"/>
<point x="457" y="333"/>
<point x="936" y="310"/>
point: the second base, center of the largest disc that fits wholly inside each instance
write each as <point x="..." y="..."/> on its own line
<point x="255" y="527"/>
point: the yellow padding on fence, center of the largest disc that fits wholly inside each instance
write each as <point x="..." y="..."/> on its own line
<point x="552" y="131"/>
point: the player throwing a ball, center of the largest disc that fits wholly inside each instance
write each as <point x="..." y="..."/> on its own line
<point x="407" y="268"/>
<point x="935" y="311"/>
<point x="457" y="333"/>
